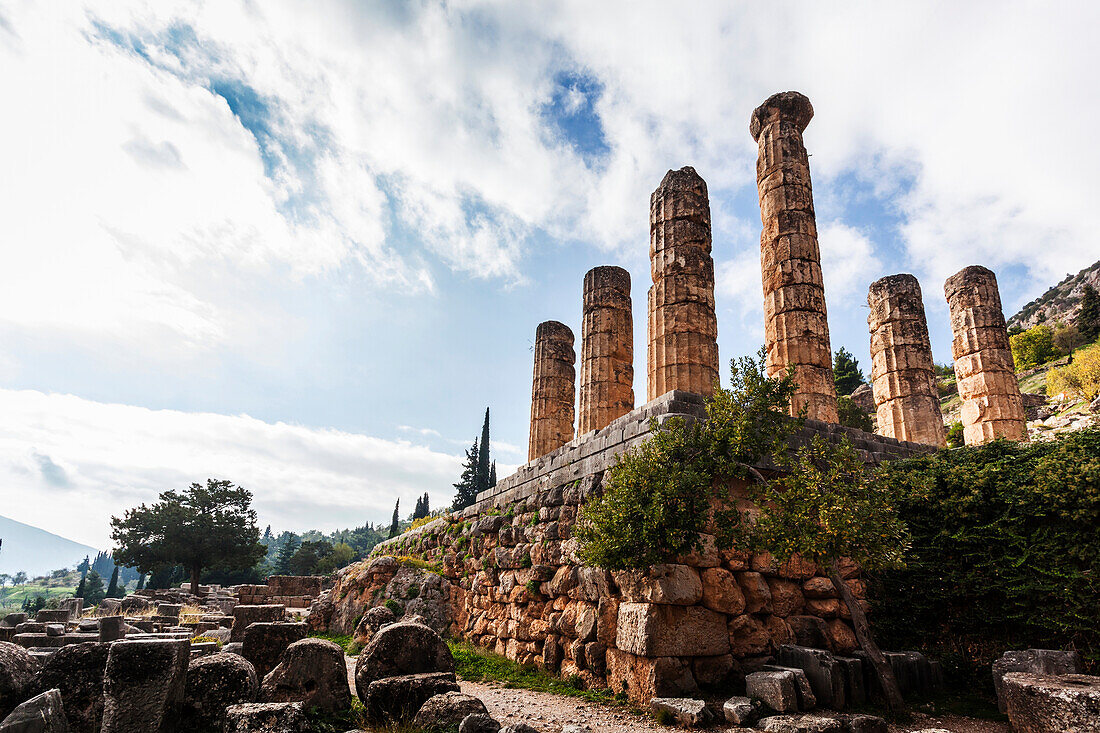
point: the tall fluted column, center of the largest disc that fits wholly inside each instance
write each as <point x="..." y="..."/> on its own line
<point x="683" y="330"/>
<point x="903" y="379"/>
<point x="552" y="389"/>
<point x="607" y="349"/>
<point x="991" y="403"/>
<point x="796" y="328"/>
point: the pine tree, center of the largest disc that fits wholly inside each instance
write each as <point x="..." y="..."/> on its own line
<point x="1088" y="318"/>
<point x="466" y="488"/>
<point x="493" y="474"/>
<point x="846" y="372"/>
<point x="286" y="552"/>
<point x="93" y="589"/>
<point x="268" y="538"/>
<point x="112" y="587"/>
<point x="482" y="475"/>
<point x="393" y="525"/>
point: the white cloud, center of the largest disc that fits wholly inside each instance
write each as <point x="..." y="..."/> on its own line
<point x="67" y="464"/>
<point x="848" y="263"/>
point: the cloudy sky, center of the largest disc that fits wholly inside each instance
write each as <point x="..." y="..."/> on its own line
<point x="303" y="245"/>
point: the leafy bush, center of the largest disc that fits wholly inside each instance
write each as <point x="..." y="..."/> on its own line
<point x="395" y="606"/>
<point x="1033" y="347"/>
<point x="853" y="416"/>
<point x="660" y="496"/>
<point x="1081" y="378"/>
<point x="955" y="435"/>
<point x="1005" y="553"/>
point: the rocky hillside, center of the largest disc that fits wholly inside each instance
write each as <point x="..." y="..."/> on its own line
<point x="1059" y="303"/>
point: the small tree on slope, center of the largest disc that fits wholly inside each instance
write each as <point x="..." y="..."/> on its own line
<point x="825" y="507"/>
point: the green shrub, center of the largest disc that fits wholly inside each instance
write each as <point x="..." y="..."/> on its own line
<point x="1005" y="554"/>
<point x="853" y="416"/>
<point x="1033" y="347"/>
<point x="395" y="606"/>
<point x="660" y="496"/>
<point x="955" y="435"/>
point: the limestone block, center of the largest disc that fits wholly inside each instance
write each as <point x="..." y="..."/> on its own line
<point x="310" y="671"/>
<point x="17" y="672"/>
<point x="245" y="615"/>
<point x="1034" y="661"/>
<point x="786" y="597"/>
<point x="758" y="596"/>
<point x="658" y="630"/>
<point x="143" y="680"/>
<point x="214" y="682"/>
<point x="265" y="642"/>
<point x="667" y="583"/>
<point x="643" y="678"/>
<point x="41" y="714"/>
<point x="721" y="592"/>
<point x="775" y="689"/>
<point x="76" y="671"/>
<point x="739" y="710"/>
<point x="285" y="717"/>
<point x="823" y="671"/>
<point x="748" y="636"/>
<point x="1039" y="703"/>
<point x="687" y="712"/>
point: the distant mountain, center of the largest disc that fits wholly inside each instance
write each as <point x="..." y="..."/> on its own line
<point x="1059" y="303"/>
<point x="36" y="551"/>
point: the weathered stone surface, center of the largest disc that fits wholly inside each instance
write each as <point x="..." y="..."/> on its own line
<point x="1034" y="661"/>
<point x="214" y="682"/>
<point x="992" y="406"/>
<point x="796" y="329"/>
<point x="310" y="671"/>
<point x="43" y="713"/>
<point x="776" y="689"/>
<point x="398" y="698"/>
<point x="266" y="717"/>
<point x="800" y="724"/>
<point x="721" y="592"/>
<point x="264" y="643"/>
<point x="143" y="679"/>
<point x="17" y="673"/>
<point x="687" y="712"/>
<point x="76" y="671"/>
<point x="739" y="710"/>
<point x="806" y="698"/>
<point x="373" y="620"/>
<point x="112" y="628"/>
<point x="607" y="349"/>
<point x="657" y="630"/>
<point x="1039" y="703"/>
<point x="908" y="408"/>
<point x="446" y="711"/>
<point x="758" y="596"/>
<point x="857" y="723"/>
<point x="245" y="616"/>
<point x="682" y="329"/>
<point x="402" y="649"/>
<point x="667" y="583"/>
<point x="480" y="724"/>
<point x="643" y="678"/>
<point x="552" y="389"/>
<point x="823" y="671"/>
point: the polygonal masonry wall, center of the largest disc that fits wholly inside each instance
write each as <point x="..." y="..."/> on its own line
<point x="519" y="587"/>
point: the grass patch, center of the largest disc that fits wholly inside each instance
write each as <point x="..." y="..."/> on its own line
<point x="477" y="665"/>
<point x="349" y="645"/>
<point x="409" y="561"/>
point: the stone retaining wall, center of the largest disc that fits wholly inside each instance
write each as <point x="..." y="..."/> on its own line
<point x="517" y="585"/>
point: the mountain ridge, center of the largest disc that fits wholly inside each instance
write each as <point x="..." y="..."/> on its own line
<point x="1060" y="302"/>
<point x="36" y="551"/>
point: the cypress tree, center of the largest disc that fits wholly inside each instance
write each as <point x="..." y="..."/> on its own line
<point x="482" y="481"/>
<point x="1088" y="318"/>
<point x="427" y="506"/>
<point x="466" y="488"/>
<point x="846" y="372"/>
<point x="141" y="582"/>
<point x="112" y="586"/>
<point x="80" y="587"/>
<point x="493" y="474"/>
<point x="393" y="525"/>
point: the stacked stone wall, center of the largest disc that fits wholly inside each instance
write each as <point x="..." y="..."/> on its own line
<point x="519" y="587"/>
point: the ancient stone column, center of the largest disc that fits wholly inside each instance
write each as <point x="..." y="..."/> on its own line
<point x="683" y="330"/>
<point x="991" y="403"/>
<point x="552" y="389"/>
<point x="796" y="329"/>
<point x="903" y="380"/>
<point x="607" y="349"/>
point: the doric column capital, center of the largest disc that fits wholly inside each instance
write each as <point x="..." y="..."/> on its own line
<point x="794" y="107"/>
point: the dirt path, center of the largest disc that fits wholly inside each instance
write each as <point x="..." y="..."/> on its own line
<point x="550" y="713"/>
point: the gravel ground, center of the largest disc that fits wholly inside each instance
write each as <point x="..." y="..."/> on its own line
<point x="549" y="713"/>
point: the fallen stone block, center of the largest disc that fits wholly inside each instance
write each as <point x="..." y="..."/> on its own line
<point x="17" y="672"/>
<point x="478" y="723"/>
<point x="447" y="710"/>
<point x="777" y="690"/>
<point x="43" y="713"/>
<point x="215" y="682"/>
<point x="686" y="711"/>
<point x="1068" y="703"/>
<point x="740" y="711"/>
<point x="310" y="671"/>
<point x="266" y="717"/>
<point x="52" y="616"/>
<point x="399" y="699"/>
<point x="264" y="643"/>
<point x="821" y="670"/>
<point x="856" y="723"/>
<point x="401" y="649"/>
<point x="76" y="671"/>
<point x="806" y="699"/>
<point x="13" y="619"/>
<point x="800" y="724"/>
<point x="245" y="616"/>
<point x="1034" y="661"/>
<point x="142" y="681"/>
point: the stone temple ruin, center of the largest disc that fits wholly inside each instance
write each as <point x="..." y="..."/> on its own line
<point x="512" y="579"/>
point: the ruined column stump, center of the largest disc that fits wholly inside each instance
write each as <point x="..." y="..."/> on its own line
<point x="683" y="330"/>
<point x="552" y="389"/>
<point x="607" y="349"/>
<point x="903" y="379"/>
<point x="991" y="403"/>
<point x="796" y="327"/>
